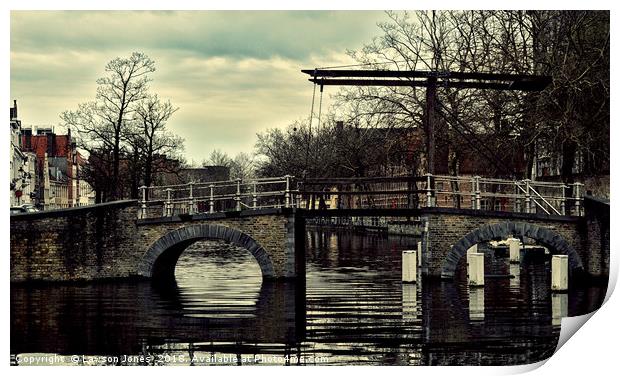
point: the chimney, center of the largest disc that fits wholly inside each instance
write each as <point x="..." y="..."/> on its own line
<point x="13" y="112"/>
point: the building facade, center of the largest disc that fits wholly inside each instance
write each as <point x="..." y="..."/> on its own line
<point x="45" y="168"/>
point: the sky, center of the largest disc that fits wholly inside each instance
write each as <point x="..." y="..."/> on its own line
<point x="231" y="73"/>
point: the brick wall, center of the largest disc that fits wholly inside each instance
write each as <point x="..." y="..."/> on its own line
<point x="85" y="243"/>
<point x="597" y="232"/>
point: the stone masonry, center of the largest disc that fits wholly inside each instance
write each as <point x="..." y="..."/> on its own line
<point x="451" y="232"/>
<point x="108" y="241"/>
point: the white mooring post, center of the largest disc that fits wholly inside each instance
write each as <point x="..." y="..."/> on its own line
<point x="475" y="269"/>
<point x="472" y="249"/>
<point x="559" y="273"/>
<point x="410" y="267"/>
<point x="514" y="248"/>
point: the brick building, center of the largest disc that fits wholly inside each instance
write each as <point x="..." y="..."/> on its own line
<point x="58" y="165"/>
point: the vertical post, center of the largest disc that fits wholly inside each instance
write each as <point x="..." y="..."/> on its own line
<point x="475" y="269"/>
<point x="211" y="202"/>
<point x="528" y="199"/>
<point x="191" y="197"/>
<point x="473" y="193"/>
<point x="238" y="195"/>
<point x="287" y="192"/>
<point x="578" y="198"/>
<point x="563" y="202"/>
<point x="254" y="195"/>
<point x="429" y="196"/>
<point x="515" y="251"/>
<point x="559" y="273"/>
<point x="143" y="206"/>
<point x="168" y="203"/>
<point x="410" y="266"/>
<point x="477" y="192"/>
<point x="517" y="197"/>
<point x="429" y="123"/>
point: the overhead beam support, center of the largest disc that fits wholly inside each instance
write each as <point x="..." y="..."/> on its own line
<point x="431" y="80"/>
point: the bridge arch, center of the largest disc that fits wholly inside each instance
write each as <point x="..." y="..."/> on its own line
<point x="161" y="257"/>
<point x="547" y="237"/>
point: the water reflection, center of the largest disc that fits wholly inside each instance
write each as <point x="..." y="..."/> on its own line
<point x="352" y="309"/>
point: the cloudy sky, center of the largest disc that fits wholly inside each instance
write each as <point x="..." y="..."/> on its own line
<point x="232" y="74"/>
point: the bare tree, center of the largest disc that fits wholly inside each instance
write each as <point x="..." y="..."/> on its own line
<point x="217" y="158"/>
<point x="101" y="123"/>
<point x="151" y="137"/>
<point x="242" y="167"/>
<point x="570" y="118"/>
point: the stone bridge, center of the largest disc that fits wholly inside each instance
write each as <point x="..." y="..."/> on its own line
<point x="109" y="241"/>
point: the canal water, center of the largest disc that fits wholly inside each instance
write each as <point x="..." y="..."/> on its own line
<point x="352" y="310"/>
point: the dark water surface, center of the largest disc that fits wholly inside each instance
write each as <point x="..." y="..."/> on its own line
<point x="353" y="309"/>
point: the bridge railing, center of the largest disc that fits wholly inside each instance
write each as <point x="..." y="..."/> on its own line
<point x="474" y="192"/>
<point x="218" y="196"/>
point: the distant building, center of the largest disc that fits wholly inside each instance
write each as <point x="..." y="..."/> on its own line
<point x="58" y="169"/>
<point x="45" y="168"/>
<point x="21" y="170"/>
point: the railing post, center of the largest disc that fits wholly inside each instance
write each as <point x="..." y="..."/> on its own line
<point x="563" y="202"/>
<point x="477" y="191"/>
<point x="168" y="203"/>
<point x="287" y="192"/>
<point x="429" y="195"/>
<point x="211" y="202"/>
<point x="517" y="198"/>
<point x="528" y="199"/>
<point x="143" y="205"/>
<point x="473" y="193"/>
<point x="238" y="195"/>
<point x="254" y="196"/>
<point x="191" y="197"/>
<point x="578" y="198"/>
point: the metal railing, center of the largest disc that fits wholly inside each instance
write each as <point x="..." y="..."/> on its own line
<point x="217" y="196"/>
<point x="473" y="192"/>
